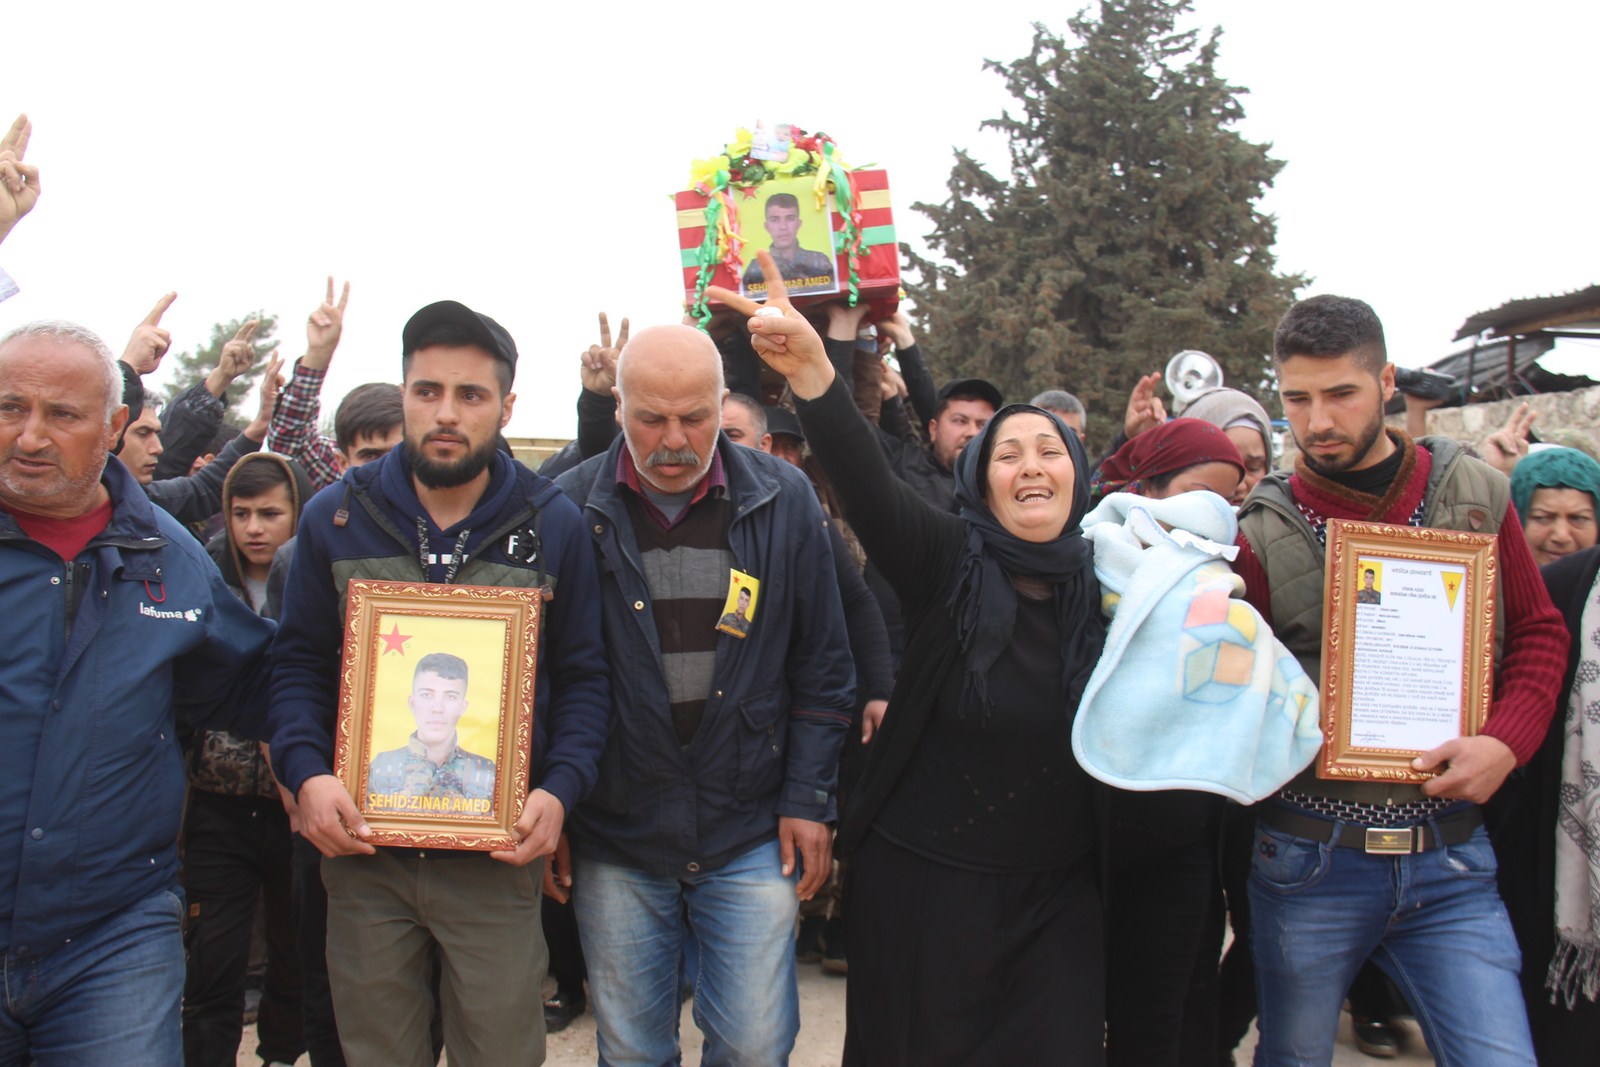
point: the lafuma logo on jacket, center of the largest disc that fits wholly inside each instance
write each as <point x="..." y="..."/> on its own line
<point x="187" y="614"/>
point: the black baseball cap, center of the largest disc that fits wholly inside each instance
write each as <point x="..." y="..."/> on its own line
<point x="484" y="331"/>
<point x="977" y="387"/>
<point x="782" y="420"/>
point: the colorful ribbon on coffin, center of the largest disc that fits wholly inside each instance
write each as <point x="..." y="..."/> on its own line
<point x="710" y="242"/>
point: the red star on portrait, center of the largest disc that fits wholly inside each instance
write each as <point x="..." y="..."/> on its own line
<point x="749" y="191"/>
<point x="394" y="641"/>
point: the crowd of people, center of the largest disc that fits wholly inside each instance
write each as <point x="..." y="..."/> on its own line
<point x="821" y="642"/>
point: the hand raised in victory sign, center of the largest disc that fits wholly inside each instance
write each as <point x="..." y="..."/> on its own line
<point x="599" y="362"/>
<point x="237" y="355"/>
<point x="324" y="327"/>
<point x="1509" y="443"/>
<point x="19" y="182"/>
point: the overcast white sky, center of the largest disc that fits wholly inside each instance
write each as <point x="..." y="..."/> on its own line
<point x="520" y="158"/>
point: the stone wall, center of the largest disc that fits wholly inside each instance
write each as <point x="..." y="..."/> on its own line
<point x="1578" y="410"/>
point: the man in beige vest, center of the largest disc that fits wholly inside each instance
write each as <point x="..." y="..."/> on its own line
<point x="1323" y="898"/>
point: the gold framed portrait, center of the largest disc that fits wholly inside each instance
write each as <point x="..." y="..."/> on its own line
<point x="1408" y="655"/>
<point x="435" y="716"/>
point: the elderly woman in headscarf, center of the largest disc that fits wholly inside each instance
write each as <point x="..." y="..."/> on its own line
<point x="1555" y="490"/>
<point x="1161" y="857"/>
<point x="973" y="912"/>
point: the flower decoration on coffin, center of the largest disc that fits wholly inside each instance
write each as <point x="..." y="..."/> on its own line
<point x="739" y="170"/>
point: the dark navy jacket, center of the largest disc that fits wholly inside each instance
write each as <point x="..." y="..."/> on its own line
<point x="378" y="540"/>
<point x="99" y="654"/>
<point x="780" y="700"/>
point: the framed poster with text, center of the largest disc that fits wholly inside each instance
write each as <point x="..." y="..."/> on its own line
<point x="1408" y="654"/>
<point x="436" y="711"/>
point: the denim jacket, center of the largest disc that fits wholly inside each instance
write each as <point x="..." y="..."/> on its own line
<point x="775" y="720"/>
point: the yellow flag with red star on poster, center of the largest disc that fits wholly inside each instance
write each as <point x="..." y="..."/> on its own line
<point x="1452" y="586"/>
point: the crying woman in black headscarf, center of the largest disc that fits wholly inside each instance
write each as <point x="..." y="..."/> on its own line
<point x="972" y="917"/>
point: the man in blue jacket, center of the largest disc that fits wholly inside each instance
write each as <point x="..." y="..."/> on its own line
<point x="443" y="507"/>
<point x="115" y="619"/>
<point x="718" y="780"/>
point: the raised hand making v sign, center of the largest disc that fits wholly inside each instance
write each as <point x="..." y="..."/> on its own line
<point x="600" y="361"/>
<point x="19" y="182"/>
<point x="237" y="356"/>
<point x="324" y="327"/>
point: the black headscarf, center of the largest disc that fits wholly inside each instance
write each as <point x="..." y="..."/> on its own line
<point x="984" y="601"/>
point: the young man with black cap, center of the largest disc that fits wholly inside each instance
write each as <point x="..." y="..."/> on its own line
<point x="788" y="442"/>
<point x="961" y="410"/>
<point x="955" y="414"/>
<point x="445" y="507"/>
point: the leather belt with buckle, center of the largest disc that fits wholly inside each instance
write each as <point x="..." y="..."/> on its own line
<point x="1454" y="829"/>
<point x="1401" y="840"/>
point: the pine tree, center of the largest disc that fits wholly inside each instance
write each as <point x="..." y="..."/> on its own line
<point x="191" y="367"/>
<point x="1127" y="230"/>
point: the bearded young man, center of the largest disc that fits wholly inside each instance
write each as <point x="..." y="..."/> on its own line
<point x="446" y="507"/>
<point x="1321" y="903"/>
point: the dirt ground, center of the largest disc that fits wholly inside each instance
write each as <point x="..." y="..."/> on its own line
<point x="822" y="1034"/>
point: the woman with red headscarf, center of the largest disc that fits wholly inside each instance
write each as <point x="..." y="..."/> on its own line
<point x="1175" y="457"/>
<point x="1161" y="853"/>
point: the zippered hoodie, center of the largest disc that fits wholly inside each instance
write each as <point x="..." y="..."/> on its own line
<point x="365" y="526"/>
<point x="222" y="762"/>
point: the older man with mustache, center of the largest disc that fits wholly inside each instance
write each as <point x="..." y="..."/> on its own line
<point x="719" y="777"/>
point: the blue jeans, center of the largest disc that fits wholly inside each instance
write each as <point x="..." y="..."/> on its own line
<point x="107" y="998"/>
<point x="635" y="928"/>
<point x="1433" y="921"/>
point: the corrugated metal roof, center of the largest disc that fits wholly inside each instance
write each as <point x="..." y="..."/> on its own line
<point x="1480" y="373"/>
<point x="1485" y="368"/>
<point x="1533" y="309"/>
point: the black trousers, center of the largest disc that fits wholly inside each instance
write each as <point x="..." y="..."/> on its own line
<point x="1160" y="885"/>
<point x="566" y="951"/>
<point x="956" y="967"/>
<point x="1222" y="997"/>
<point x="238" y="850"/>
<point x="311" y="902"/>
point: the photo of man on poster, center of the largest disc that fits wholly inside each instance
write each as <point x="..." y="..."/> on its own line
<point x="432" y="763"/>
<point x="804" y="271"/>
